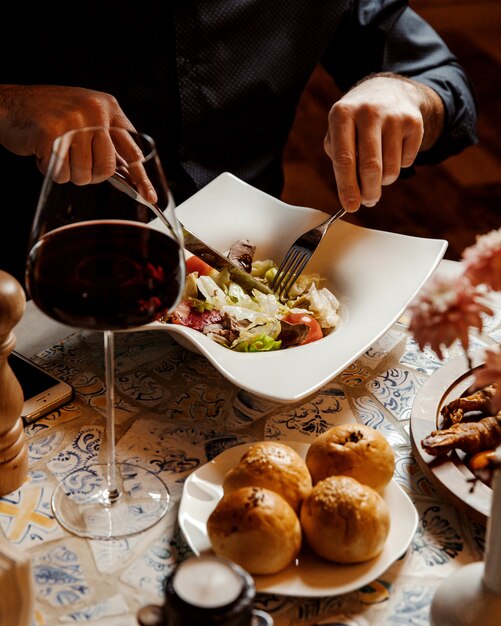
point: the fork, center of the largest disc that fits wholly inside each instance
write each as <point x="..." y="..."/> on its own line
<point x="299" y="254"/>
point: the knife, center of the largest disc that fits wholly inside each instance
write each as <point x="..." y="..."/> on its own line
<point x="219" y="262"/>
<point x="194" y="244"/>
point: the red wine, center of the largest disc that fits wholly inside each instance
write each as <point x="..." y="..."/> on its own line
<point x="105" y="275"/>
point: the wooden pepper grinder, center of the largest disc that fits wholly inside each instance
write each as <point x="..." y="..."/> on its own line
<point x="13" y="447"/>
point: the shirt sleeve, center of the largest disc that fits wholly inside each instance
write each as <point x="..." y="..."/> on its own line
<point x="388" y="36"/>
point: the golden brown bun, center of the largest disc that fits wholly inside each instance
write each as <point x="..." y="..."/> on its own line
<point x="273" y="465"/>
<point x="352" y="450"/>
<point x="256" y="528"/>
<point x="345" y="521"/>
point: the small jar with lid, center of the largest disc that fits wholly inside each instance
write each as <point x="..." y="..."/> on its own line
<point x="206" y="591"/>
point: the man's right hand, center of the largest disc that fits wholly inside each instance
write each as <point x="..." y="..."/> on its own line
<point x="32" y="116"/>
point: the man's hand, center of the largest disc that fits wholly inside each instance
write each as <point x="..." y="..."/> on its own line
<point x="376" y="128"/>
<point x="32" y="116"/>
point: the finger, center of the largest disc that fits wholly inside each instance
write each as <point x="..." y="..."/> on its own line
<point x="131" y="157"/>
<point x="143" y="183"/>
<point x="392" y="155"/>
<point x="59" y="169"/>
<point x="370" y="162"/>
<point x="57" y="164"/>
<point x="340" y="145"/>
<point x="103" y="156"/>
<point x="411" y="145"/>
<point x="80" y="156"/>
<point x="118" y="119"/>
<point x="126" y="146"/>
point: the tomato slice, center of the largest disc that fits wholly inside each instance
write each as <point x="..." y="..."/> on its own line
<point x="315" y="330"/>
<point x="195" y="264"/>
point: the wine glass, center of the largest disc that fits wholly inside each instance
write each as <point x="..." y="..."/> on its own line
<point x="106" y="256"/>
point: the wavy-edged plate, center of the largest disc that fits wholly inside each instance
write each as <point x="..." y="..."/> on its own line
<point x="449" y="472"/>
<point x="310" y="575"/>
<point x="374" y="274"/>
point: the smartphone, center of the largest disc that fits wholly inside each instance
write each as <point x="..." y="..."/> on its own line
<point x="42" y="391"/>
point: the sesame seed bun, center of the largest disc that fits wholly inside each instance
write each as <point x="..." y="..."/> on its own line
<point x="345" y="521"/>
<point x="352" y="450"/>
<point x="273" y="465"/>
<point x="255" y="528"/>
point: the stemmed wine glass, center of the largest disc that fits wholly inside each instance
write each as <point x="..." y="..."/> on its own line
<point x="106" y="256"/>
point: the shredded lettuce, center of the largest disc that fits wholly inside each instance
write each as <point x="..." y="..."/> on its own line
<point x="254" y="318"/>
<point x="261" y="343"/>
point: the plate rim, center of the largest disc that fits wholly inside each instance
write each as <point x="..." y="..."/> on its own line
<point x="276" y="583"/>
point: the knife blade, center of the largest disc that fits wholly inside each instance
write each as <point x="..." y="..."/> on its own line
<point x="218" y="261"/>
<point x="194" y="244"/>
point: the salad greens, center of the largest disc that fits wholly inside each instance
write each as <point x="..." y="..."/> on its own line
<point x="254" y="322"/>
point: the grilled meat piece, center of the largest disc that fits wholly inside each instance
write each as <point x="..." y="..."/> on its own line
<point x="242" y="253"/>
<point x="454" y="412"/>
<point x="469" y="437"/>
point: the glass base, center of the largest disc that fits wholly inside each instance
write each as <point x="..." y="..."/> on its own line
<point x="84" y="506"/>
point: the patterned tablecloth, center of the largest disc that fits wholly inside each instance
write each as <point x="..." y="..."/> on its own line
<point x="175" y="412"/>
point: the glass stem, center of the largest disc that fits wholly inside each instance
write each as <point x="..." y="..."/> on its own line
<point x="109" y="368"/>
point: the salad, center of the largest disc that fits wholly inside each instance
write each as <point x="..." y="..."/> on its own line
<point x="253" y="322"/>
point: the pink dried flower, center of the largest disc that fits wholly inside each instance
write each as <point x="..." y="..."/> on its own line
<point x="490" y="374"/>
<point x="444" y="311"/>
<point x="482" y="260"/>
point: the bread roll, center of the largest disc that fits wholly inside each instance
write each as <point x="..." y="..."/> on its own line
<point x="273" y="465"/>
<point x="345" y="521"/>
<point x="352" y="450"/>
<point x="256" y="528"/>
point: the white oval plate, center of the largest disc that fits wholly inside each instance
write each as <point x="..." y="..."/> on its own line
<point x="310" y="575"/>
<point x="374" y="274"/>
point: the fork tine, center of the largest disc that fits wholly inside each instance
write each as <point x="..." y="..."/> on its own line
<point x="297" y="271"/>
<point x="294" y="272"/>
<point x="296" y="260"/>
<point x="285" y="266"/>
<point x="299" y="254"/>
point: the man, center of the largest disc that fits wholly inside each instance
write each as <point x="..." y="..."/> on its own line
<point x="217" y="83"/>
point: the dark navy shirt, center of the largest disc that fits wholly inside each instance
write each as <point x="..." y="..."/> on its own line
<point x="242" y="67"/>
<point x="217" y="82"/>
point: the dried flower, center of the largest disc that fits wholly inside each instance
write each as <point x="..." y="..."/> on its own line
<point x="490" y="374"/>
<point x="444" y="312"/>
<point x="482" y="261"/>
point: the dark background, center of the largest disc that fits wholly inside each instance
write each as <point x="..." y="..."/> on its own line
<point x="455" y="200"/>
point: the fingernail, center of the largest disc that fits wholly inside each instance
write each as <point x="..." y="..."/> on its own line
<point x="389" y="179"/>
<point x="369" y="204"/>
<point x="351" y="206"/>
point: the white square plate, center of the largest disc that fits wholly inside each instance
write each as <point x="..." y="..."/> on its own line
<point x="374" y="274"/>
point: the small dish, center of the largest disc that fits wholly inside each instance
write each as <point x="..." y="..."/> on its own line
<point x="374" y="274"/>
<point x="310" y="575"/>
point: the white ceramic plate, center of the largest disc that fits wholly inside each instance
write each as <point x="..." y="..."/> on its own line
<point x="311" y="576"/>
<point x="374" y="274"/>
